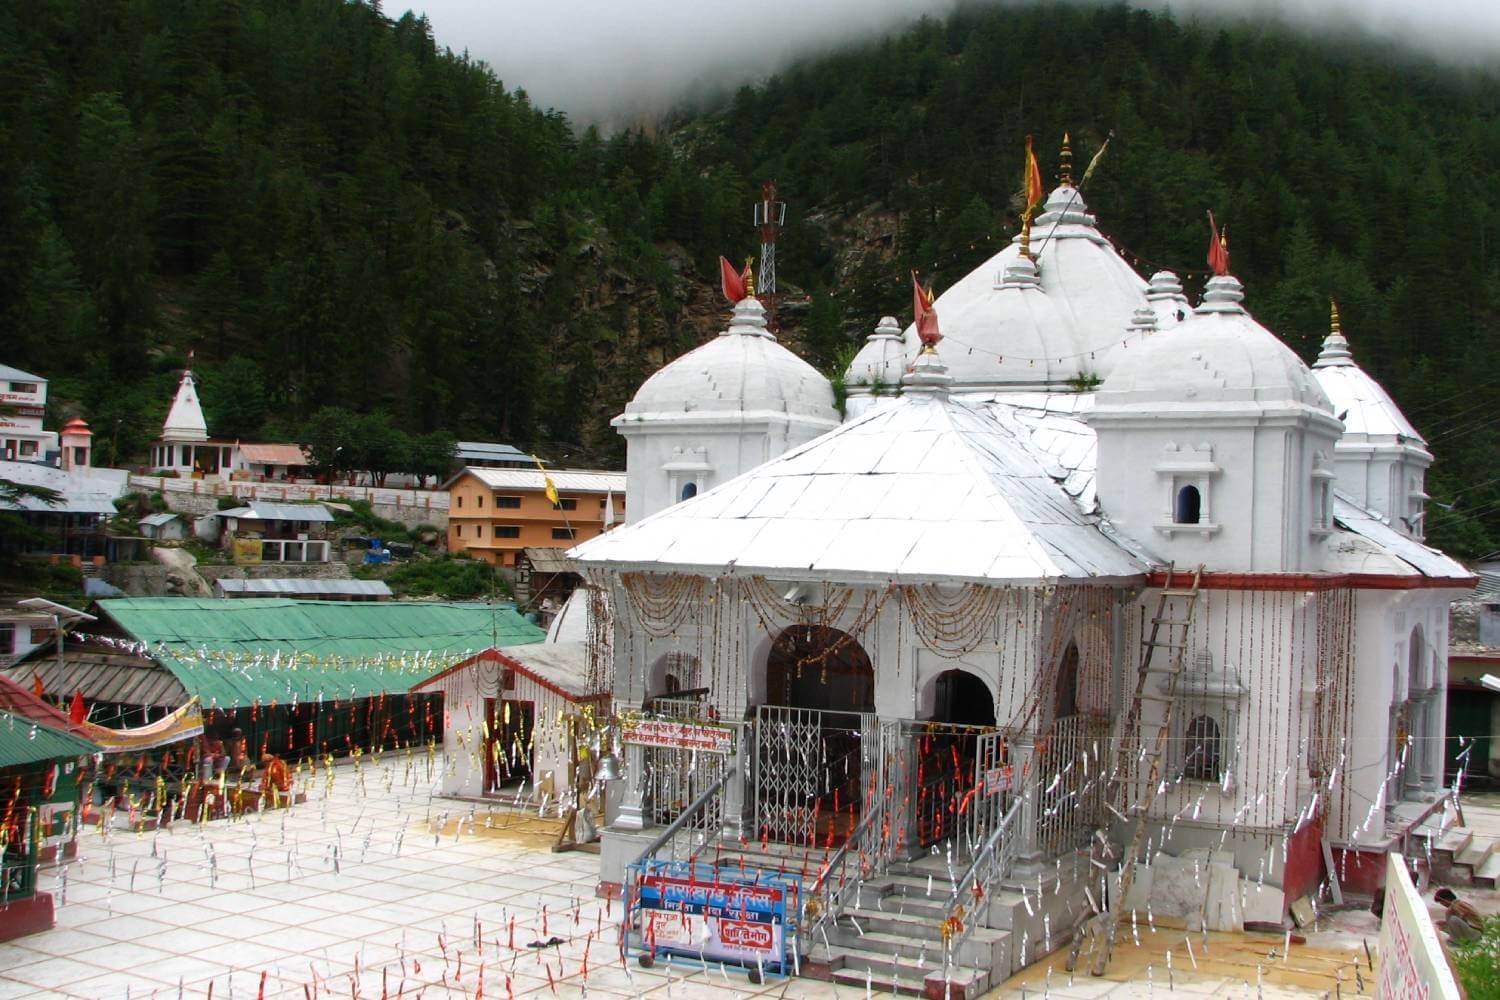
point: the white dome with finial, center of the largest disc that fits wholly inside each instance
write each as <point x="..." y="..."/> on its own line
<point x="1219" y="354"/>
<point x="1367" y="410"/>
<point x="1164" y="293"/>
<point x="1092" y="294"/>
<point x="185" y="419"/>
<point x="743" y="369"/>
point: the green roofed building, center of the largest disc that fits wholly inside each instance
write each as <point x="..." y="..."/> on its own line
<point x="39" y="767"/>
<point x="296" y="677"/>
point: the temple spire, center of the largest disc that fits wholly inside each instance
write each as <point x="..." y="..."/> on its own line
<point x="1065" y="162"/>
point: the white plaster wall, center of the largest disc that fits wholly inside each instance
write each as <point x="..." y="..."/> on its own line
<point x="463" y="732"/>
<point x="734" y="444"/>
<point x="1261" y="499"/>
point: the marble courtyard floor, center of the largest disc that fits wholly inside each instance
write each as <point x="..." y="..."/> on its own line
<point x="374" y="888"/>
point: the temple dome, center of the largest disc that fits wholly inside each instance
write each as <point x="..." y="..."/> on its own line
<point x="185" y="419"/>
<point x="1366" y="409"/>
<point x="743" y="370"/>
<point x="1018" y="338"/>
<point x="1218" y="355"/>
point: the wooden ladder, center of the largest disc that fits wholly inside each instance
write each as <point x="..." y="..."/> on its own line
<point x="1175" y="642"/>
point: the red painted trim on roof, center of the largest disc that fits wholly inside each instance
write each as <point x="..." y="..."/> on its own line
<point x="1312" y="581"/>
<point x="495" y="656"/>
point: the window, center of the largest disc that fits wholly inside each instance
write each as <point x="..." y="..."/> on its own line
<point x="1189" y="506"/>
<point x="507" y="531"/>
<point x="7" y="638"/>
<point x="458" y="531"/>
<point x="28" y="447"/>
<point x="478" y="531"/>
<point x="1204" y="751"/>
<point x="459" y="501"/>
<point x="24" y="386"/>
<point x="479" y="500"/>
<point x="40" y="635"/>
<point x="507" y="503"/>
<point x="689" y="490"/>
<point x="80" y="456"/>
<point x="563" y="533"/>
<point x="565" y="503"/>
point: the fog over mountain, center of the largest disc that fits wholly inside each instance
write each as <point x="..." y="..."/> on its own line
<point x="611" y="62"/>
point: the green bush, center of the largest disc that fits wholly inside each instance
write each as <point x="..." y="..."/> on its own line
<point x="1478" y="962"/>
<point x="456" y="578"/>
<point x="230" y="503"/>
<point x="368" y="522"/>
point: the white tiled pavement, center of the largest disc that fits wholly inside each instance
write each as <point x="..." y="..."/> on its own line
<point x="351" y="894"/>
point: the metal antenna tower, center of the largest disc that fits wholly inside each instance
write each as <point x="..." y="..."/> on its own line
<point x="770" y="216"/>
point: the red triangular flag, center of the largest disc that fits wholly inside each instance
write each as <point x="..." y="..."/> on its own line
<point x="37" y="687"/>
<point x="1218" y="248"/>
<point x="926" y="315"/>
<point x="78" y="711"/>
<point x="731" y="282"/>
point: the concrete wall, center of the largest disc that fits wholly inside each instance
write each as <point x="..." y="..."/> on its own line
<point x="201" y="496"/>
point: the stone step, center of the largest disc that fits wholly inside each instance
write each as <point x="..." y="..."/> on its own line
<point x="1475" y="852"/>
<point x="911" y="982"/>
<point x="1455" y="840"/>
<point x="1488" y="871"/>
<point x="920" y="926"/>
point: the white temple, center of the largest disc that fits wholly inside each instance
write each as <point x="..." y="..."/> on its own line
<point x="924" y="633"/>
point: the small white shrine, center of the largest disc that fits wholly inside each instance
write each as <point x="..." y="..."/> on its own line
<point x="1095" y="520"/>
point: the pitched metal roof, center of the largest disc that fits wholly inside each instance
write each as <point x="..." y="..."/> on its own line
<point x="919" y="489"/>
<point x="490" y="451"/>
<point x="566" y="480"/>
<point x="155" y="520"/>
<point x="274" y="454"/>
<point x="561" y="667"/>
<point x="17" y="375"/>
<point x="303" y="585"/>
<point x="79" y="492"/>
<point x="232" y="652"/>
<point x="1424" y="559"/>
<point x="265" y="510"/>
<point x="23" y="741"/>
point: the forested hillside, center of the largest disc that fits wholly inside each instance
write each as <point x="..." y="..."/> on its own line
<point x="330" y="211"/>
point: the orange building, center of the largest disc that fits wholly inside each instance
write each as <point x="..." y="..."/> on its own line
<point x="495" y="513"/>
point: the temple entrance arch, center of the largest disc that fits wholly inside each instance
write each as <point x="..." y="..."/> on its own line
<point x="811" y="734"/>
<point x="957" y="752"/>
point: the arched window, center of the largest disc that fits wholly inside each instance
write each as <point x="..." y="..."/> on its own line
<point x="689" y="490"/>
<point x="1204" y="753"/>
<point x="1189" y="506"/>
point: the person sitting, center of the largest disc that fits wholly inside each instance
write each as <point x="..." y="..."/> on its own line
<point x="275" y="780"/>
<point x="239" y="756"/>
<point x="213" y="759"/>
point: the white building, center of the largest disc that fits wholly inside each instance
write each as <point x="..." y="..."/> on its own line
<point x="186" y="449"/>
<point x="926" y="630"/>
<point x="24" y="397"/>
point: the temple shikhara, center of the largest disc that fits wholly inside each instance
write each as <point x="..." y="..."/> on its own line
<point x="1100" y="601"/>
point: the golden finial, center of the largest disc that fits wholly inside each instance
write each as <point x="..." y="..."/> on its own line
<point x="1338" y="330"/>
<point x="1026" y="236"/>
<point x="1065" y="168"/>
<point x="749" y="278"/>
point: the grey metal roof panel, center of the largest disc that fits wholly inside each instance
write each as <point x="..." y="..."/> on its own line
<point x="299" y="585"/>
<point x="8" y="373"/>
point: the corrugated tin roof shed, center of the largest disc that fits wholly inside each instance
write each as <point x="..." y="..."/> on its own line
<point x="265" y="510"/>
<point x="23" y="741"/>
<point x="489" y="451"/>
<point x="232" y="652"/>
<point x="156" y="520"/>
<point x="301" y="585"/>
<point x="548" y="560"/>
<point x="274" y="454"/>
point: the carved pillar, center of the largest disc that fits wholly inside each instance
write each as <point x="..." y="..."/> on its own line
<point x="632" y="815"/>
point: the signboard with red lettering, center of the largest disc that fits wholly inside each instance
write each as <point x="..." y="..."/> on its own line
<point x="702" y="912"/>
<point x="680" y="734"/>
<point x="998" y="779"/>
<point x="1412" y="964"/>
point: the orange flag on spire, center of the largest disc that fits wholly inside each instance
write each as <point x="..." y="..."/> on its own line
<point x="1218" y="248"/>
<point x="926" y="315"/>
<point x="732" y="282"/>
<point x="1034" y="192"/>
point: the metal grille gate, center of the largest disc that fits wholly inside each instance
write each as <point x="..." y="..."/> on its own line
<point x="675" y="778"/>
<point x="810" y="772"/>
<point x="960" y="792"/>
<point x="1070" y="772"/>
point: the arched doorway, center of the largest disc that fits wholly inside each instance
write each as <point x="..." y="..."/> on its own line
<point x="810" y="734"/>
<point x="954" y="750"/>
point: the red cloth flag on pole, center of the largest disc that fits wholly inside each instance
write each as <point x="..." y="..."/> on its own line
<point x="78" y="711"/>
<point x="732" y="282"/>
<point x="37" y="687"/>
<point x="1034" y="192"/>
<point x="926" y="315"/>
<point x="1218" y="248"/>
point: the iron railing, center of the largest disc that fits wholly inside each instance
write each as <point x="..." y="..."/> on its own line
<point x="868" y="849"/>
<point x="972" y="892"/>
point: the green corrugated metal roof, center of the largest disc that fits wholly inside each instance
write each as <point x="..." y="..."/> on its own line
<point x="239" y="652"/>
<point x="25" y="742"/>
